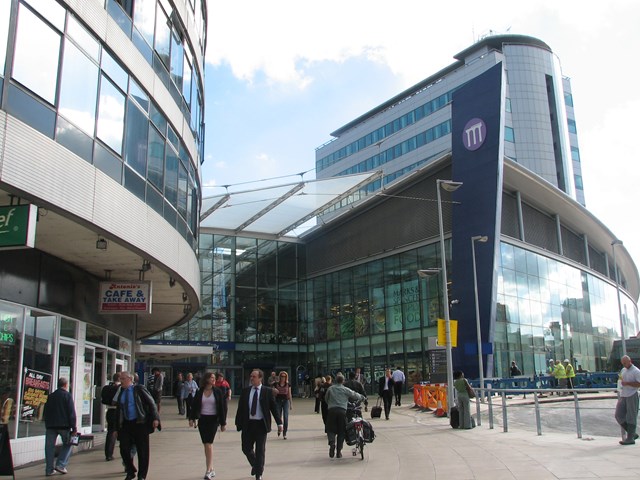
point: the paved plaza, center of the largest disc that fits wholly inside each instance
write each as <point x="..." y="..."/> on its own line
<point x="411" y="445"/>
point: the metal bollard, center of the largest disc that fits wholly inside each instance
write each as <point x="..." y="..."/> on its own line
<point x="578" y="421"/>
<point x="537" y="408"/>
<point x="505" y="426"/>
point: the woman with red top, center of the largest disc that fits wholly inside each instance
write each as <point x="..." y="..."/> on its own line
<point x="282" y="389"/>
<point x="223" y="385"/>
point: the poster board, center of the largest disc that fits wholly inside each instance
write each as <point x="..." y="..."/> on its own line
<point x="35" y="391"/>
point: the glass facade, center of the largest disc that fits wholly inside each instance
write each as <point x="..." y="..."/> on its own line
<point x="255" y="296"/>
<point x="64" y="83"/>
<point x="37" y="348"/>
<point x="551" y="310"/>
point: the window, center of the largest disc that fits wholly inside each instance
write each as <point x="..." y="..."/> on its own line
<point x="144" y="18"/>
<point x="5" y="8"/>
<point x="136" y="137"/>
<point x="111" y="115"/>
<point x="568" y="100"/>
<point x="575" y="154"/>
<point x="37" y="53"/>
<point x="156" y="158"/>
<point x="509" y="135"/>
<point x="171" y="177"/>
<point x="163" y="37"/>
<point x="572" y="126"/>
<point x="507" y="105"/>
<point x="578" y="181"/>
<point x="78" y="89"/>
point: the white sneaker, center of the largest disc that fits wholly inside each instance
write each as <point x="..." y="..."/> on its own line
<point x="209" y="475"/>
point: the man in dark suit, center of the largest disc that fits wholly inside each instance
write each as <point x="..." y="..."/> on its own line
<point x="253" y="419"/>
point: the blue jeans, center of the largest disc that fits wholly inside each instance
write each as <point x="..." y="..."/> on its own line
<point x="50" y="448"/>
<point x="283" y="410"/>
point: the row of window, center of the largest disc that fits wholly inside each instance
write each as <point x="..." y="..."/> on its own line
<point x="154" y="29"/>
<point x="102" y="114"/>
<point x="385" y="131"/>
<point x="409" y="145"/>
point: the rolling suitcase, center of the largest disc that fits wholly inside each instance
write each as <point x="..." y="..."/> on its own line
<point x="376" y="412"/>
<point x="454" y="421"/>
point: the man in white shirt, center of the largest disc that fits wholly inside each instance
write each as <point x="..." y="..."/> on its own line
<point x="627" y="406"/>
<point x="398" y="381"/>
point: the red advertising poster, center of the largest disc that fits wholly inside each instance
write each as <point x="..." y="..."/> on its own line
<point x="35" y="391"/>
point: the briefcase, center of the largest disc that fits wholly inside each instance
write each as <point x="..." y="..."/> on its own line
<point x="376" y="412"/>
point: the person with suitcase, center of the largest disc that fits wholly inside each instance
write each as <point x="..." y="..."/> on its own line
<point x="385" y="390"/>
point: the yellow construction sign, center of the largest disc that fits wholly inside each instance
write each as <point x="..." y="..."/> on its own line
<point x="442" y="332"/>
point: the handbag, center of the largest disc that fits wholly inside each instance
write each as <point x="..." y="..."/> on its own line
<point x="470" y="391"/>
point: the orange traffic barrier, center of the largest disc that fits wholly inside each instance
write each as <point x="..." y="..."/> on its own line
<point x="430" y="397"/>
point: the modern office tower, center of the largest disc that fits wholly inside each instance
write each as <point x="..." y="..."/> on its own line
<point x="366" y="288"/>
<point x="101" y="141"/>
<point x="413" y="128"/>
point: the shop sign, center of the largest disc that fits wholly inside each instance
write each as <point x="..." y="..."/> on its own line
<point x="35" y="391"/>
<point x="125" y="297"/>
<point x="7" y="329"/>
<point x="18" y="226"/>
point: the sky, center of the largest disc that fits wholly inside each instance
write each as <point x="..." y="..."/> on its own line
<point x="282" y="75"/>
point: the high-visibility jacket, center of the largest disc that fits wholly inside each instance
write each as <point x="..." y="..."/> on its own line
<point x="570" y="371"/>
<point x="559" y="371"/>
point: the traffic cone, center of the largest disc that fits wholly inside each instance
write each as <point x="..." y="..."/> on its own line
<point x="439" y="410"/>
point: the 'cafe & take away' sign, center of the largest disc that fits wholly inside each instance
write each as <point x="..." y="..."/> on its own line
<point x="125" y="297"/>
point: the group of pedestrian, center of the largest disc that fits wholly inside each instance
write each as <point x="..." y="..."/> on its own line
<point x="562" y="375"/>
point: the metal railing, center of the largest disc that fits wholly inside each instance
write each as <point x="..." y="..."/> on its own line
<point x="487" y="397"/>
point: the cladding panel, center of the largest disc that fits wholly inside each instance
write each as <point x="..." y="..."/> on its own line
<point x="539" y="229"/>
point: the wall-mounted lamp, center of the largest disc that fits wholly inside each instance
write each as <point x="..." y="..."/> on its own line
<point x="101" y="244"/>
<point x="187" y="308"/>
<point x="107" y="274"/>
<point x="184" y="296"/>
<point x="146" y="265"/>
<point x="172" y="282"/>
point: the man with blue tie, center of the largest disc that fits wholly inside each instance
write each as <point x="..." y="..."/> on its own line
<point x="137" y="418"/>
<point x="256" y="406"/>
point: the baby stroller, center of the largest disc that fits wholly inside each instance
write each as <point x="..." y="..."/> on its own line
<point x="358" y="430"/>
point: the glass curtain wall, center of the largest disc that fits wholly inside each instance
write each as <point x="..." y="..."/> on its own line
<point x="551" y="310"/>
<point x="375" y="315"/>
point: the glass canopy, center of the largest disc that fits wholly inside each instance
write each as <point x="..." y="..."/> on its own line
<point x="277" y="210"/>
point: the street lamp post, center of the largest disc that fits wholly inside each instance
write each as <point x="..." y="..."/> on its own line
<point x="449" y="186"/>
<point x="481" y="239"/>
<point x="615" y="267"/>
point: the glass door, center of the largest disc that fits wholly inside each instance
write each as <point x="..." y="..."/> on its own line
<point x="88" y="388"/>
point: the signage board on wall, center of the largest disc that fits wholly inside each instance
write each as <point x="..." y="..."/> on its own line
<point x="8" y="332"/>
<point x="35" y="390"/>
<point x="18" y="226"/>
<point x="125" y="297"/>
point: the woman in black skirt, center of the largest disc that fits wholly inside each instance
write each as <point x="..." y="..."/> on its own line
<point x="207" y="412"/>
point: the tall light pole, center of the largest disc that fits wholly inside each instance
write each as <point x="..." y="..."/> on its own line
<point x="449" y="186"/>
<point x="481" y="239"/>
<point x="615" y="267"/>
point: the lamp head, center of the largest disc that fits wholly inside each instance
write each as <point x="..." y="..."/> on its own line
<point x="428" y="272"/>
<point x="616" y="242"/>
<point x="480" y="238"/>
<point x="101" y="244"/>
<point x="449" y="185"/>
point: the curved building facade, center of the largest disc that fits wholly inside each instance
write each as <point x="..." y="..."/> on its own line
<point x="101" y="141"/>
